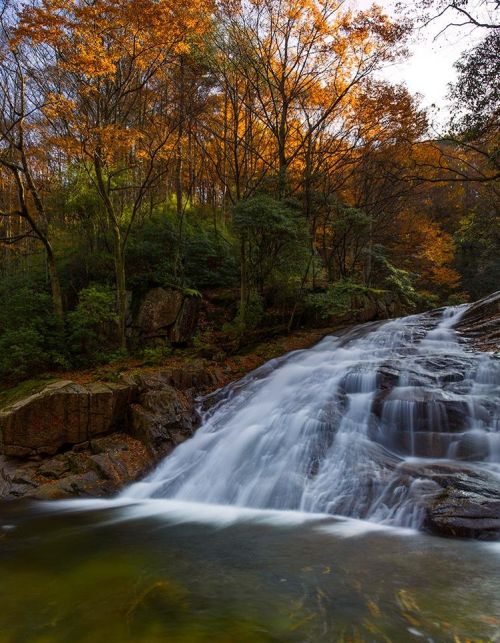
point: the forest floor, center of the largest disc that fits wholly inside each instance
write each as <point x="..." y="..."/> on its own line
<point x="228" y="368"/>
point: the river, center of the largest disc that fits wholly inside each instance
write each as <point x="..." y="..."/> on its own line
<point x="287" y="516"/>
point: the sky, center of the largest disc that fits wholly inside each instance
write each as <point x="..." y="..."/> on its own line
<point x="430" y="66"/>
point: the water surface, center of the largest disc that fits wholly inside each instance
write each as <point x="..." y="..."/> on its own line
<point x="165" y="570"/>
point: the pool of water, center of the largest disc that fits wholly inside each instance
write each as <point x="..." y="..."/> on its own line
<point x="165" y="570"/>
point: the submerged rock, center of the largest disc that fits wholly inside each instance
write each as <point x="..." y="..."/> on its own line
<point x="446" y="498"/>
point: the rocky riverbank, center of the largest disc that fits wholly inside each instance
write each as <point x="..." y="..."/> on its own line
<point x="70" y="439"/>
<point x="85" y="438"/>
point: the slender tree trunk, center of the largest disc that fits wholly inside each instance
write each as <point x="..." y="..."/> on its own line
<point x="118" y="251"/>
<point x="244" y="282"/>
<point x="121" y="290"/>
<point x="55" y="285"/>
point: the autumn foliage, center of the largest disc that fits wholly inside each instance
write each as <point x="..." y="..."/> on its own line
<point x="116" y="113"/>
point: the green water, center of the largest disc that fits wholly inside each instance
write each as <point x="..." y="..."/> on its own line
<point x="107" y="575"/>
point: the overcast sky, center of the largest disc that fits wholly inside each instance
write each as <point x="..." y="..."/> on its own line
<point x="430" y="67"/>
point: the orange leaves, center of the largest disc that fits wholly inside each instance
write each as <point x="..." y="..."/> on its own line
<point x="93" y="38"/>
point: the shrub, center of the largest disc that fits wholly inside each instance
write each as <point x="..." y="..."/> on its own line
<point x="92" y="326"/>
<point x="31" y="337"/>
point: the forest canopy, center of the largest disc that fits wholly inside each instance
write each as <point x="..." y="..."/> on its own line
<point x="251" y="146"/>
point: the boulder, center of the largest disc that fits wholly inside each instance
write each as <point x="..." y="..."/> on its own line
<point x="61" y="415"/>
<point x="109" y="464"/>
<point x="159" y="310"/>
<point x="162" y="419"/>
<point x="467" y="506"/>
<point x="186" y="323"/>
<point x="167" y="314"/>
<point x="454" y="499"/>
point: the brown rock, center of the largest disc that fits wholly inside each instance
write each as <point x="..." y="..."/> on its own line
<point x="61" y="415"/>
<point x="159" y="310"/>
<point x="167" y="314"/>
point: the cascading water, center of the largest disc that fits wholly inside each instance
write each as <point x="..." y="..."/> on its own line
<point x="328" y="429"/>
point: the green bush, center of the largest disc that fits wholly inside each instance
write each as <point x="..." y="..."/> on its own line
<point x="210" y="260"/>
<point x="395" y="280"/>
<point x="335" y="301"/>
<point x="151" y="253"/>
<point x="273" y="241"/>
<point x="92" y="330"/>
<point x="31" y="336"/>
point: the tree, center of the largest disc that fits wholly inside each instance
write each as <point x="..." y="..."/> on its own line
<point x="266" y="229"/>
<point x="304" y="62"/>
<point x="476" y="93"/>
<point x="104" y="95"/>
<point x="22" y="153"/>
<point x="475" y="13"/>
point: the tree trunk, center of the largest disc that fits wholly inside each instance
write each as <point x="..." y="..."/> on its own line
<point x="55" y="285"/>
<point x="121" y="292"/>
<point x="244" y="284"/>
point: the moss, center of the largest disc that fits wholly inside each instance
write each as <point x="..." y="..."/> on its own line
<point x="29" y="387"/>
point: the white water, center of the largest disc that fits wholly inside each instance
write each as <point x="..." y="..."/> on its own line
<point x="327" y="429"/>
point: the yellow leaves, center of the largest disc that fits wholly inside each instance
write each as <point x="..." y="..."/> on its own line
<point x="93" y="61"/>
<point x="57" y="106"/>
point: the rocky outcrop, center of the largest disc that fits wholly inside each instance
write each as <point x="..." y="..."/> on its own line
<point x="99" y="468"/>
<point x="480" y="323"/>
<point x="164" y="415"/>
<point x="371" y="306"/>
<point x="167" y="314"/>
<point x="63" y="414"/>
<point x="90" y="440"/>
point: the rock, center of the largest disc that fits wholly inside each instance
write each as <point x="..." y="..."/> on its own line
<point x="455" y="500"/>
<point x="159" y="310"/>
<point x="168" y="314"/>
<point x="162" y="419"/>
<point x="186" y="323"/>
<point x="61" y="415"/>
<point x="114" y="461"/>
<point x="368" y="311"/>
<point x="73" y="440"/>
<point x="468" y="506"/>
<point x="194" y="376"/>
<point x="480" y="323"/>
<point x="54" y="468"/>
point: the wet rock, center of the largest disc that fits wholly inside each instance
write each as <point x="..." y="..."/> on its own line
<point x="162" y="419"/>
<point x="468" y="506"/>
<point x="454" y="500"/>
<point x="417" y="409"/>
<point x="120" y="459"/>
<point x="91" y="440"/>
<point x="480" y="323"/>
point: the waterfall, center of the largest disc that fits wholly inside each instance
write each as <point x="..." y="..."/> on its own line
<point x="328" y="429"/>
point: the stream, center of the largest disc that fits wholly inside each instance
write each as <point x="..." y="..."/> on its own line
<point x="290" y="515"/>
